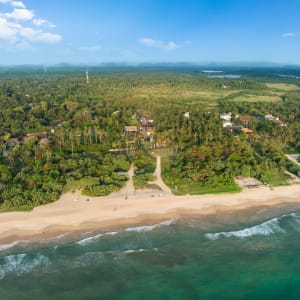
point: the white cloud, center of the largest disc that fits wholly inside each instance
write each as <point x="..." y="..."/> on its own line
<point x="289" y="34"/>
<point x="35" y="35"/>
<point x="149" y="42"/>
<point x="16" y="33"/>
<point x="19" y="27"/>
<point x="41" y="22"/>
<point x="171" y="46"/>
<point x="18" y="4"/>
<point x="90" y="48"/>
<point x="21" y="14"/>
<point x="8" y="31"/>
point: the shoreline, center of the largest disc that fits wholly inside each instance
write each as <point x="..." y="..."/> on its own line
<point x="73" y="214"/>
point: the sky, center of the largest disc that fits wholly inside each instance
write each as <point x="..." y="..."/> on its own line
<point x="134" y="31"/>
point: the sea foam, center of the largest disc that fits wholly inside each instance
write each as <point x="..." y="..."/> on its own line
<point x="296" y="217"/>
<point x="134" y="250"/>
<point x="21" y="263"/>
<point x="150" y="227"/>
<point x="89" y="240"/>
<point x="11" y="245"/>
<point x="266" y="228"/>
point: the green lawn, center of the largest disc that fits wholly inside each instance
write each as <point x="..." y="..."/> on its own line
<point x="198" y="189"/>
<point x="276" y="178"/>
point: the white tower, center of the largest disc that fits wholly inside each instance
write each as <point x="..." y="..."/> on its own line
<point x="87" y="76"/>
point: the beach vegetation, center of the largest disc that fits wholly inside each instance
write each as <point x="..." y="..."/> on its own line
<point x="59" y="134"/>
<point x="144" y="168"/>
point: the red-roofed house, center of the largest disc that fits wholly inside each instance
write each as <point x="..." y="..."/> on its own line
<point x="247" y="131"/>
<point x="244" y="118"/>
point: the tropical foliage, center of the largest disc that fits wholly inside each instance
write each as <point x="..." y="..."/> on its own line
<point x="78" y="138"/>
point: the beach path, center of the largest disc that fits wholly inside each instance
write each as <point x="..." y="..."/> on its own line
<point x="129" y="184"/>
<point x="293" y="158"/>
<point x="158" y="181"/>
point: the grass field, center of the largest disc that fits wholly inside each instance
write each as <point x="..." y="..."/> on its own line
<point x="283" y="87"/>
<point x="273" y="92"/>
<point x="258" y="98"/>
<point x="198" y="189"/>
<point x="276" y="178"/>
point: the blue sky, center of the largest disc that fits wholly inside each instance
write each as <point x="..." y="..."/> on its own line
<point x="96" y="31"/>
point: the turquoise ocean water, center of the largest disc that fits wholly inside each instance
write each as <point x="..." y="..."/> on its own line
<point x="250" y="255"/>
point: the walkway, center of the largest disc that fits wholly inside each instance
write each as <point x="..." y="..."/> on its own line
<point x="158" y="181"/>
<point x="128" y="190"/>
<point x="129" y="187"/>
<point x="293" y="158"/>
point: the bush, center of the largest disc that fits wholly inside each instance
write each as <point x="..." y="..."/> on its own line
<point x="72" y="184"/>
<point x="97" y="190"/>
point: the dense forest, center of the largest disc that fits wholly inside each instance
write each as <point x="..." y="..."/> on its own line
<point x="61" y="131"/>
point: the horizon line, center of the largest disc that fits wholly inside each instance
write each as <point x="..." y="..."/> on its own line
<point x="158" y="63"/>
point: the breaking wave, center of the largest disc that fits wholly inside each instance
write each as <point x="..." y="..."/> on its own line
<point x="150" y="227"/>
<point x="265" y="229"/>
<point x="89" y="240"/>
<point x="22" y="263"/>
<point x="134" y="251"/>
<point x="11" y="245"/>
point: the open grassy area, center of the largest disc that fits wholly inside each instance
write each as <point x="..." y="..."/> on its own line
<point x="258" y="98"/>
<point x="272" y="93"/>
<point x="213" y="95"/>
<point x="198" y="189"/>
<point x="191" y="89"/>
<point x="283" y="86"/>
<point x="276" y="178"/>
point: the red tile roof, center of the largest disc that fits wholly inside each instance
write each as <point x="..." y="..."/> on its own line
<point x="247" y="130"/>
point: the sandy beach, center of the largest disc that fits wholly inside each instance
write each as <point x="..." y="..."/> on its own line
<point x="74" y="212"/>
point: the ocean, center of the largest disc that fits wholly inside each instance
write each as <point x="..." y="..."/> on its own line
<point x="246" y="255"/>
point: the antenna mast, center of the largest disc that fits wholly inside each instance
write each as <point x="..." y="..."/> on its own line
<point x="87" y="76"/>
